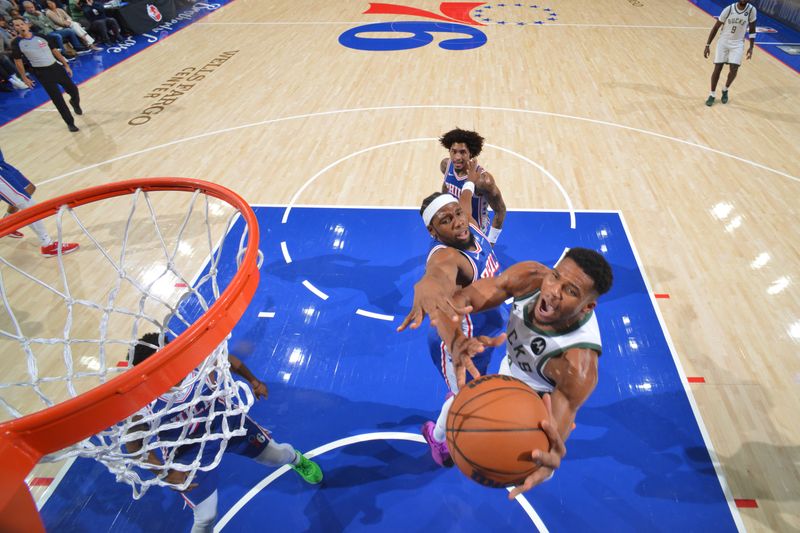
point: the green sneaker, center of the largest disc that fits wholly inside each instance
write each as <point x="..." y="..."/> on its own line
<point x="308" y="470"/>
<point x="724" y="97"/>
<point x="710" y="101"/>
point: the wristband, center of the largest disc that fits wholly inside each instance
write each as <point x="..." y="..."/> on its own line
<point x="469" y="186"/>
<point x="494" y="233"/>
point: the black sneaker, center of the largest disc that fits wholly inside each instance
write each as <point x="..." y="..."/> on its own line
<point x="76" y="108"/>
<point x="73" y="128"/>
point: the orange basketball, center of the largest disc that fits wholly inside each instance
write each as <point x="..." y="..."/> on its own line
<point x="492" y="428"/>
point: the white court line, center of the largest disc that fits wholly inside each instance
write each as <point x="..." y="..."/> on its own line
<point x="313" y="178"/>
<point x="412" y="107"/>
<point x="387" y="435"/>
<point x="285" y="251"/>
<point x="481" y="23"/>
<point x="370" y="314"/>
<point x="786" y="44"/>
<point x="266" y="314"/>
<point x="686" y="389"/>
<point x="56" y="480"/>
<point x="307" y="284"/>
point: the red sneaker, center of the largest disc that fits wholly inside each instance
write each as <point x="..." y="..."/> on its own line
<point x="16" y="235"/>
<point x="51" y="250"/>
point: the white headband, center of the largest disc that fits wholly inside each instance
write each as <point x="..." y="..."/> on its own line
<point x="433" y="207"/>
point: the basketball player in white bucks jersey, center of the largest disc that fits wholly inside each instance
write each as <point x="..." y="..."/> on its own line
<point x="552" y="338"/>
<point x="734" y="20"/>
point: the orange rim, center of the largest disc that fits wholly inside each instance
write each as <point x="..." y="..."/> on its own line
<point x="25" y="440"/>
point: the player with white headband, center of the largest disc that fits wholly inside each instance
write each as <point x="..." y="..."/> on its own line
<point x="460" y="254"/>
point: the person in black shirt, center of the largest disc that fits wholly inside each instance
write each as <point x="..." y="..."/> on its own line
<point x="42" y="58"/>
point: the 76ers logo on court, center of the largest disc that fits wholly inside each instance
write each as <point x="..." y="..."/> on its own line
<point x="454" y="18"/>
<point x="153" y="12"/>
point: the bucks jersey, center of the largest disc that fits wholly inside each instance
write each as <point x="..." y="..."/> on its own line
<point x="736" y="22"/>
<point x="490" y="322"/>
<point x="528" y="348"/>
<point x="480" y="207"/>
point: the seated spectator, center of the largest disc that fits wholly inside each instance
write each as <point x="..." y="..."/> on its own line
<point x="42" y="25"/>
<point x="61" y="19"/>
<point x="102" y="24"/>
<point x="8" y="73"/>
<point x="6" y="6"/>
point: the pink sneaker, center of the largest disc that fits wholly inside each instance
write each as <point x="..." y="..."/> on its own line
<point x="439" y="451"/>
<point x="51" y="250"/>
<point x="16" y="235"/>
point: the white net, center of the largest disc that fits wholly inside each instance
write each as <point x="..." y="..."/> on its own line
<point x="149" y="262"/>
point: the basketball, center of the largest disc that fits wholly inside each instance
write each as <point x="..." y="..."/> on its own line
<point x="492" y="428"/>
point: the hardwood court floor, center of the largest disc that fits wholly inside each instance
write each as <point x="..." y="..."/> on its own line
<point x="607" y="102"/>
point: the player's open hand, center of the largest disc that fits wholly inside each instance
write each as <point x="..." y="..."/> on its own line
<point x="429" y="298"/>
<point x="259" y="389"/>
<point x="548" y="461"/>
<point x="750" y="53"/>
<point x="464" y="349"/>
<point x="472" y="170"/>
<point x="706" y="51"/>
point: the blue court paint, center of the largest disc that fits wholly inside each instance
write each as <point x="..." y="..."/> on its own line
<point x="636" y="461"/>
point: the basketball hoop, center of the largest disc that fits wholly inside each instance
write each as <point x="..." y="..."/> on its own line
<point x="94" y="409"/>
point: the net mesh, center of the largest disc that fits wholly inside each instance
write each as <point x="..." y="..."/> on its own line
<point x="149" y="262"/>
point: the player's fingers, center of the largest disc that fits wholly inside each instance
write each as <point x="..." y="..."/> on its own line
<point x="461" y="375"/>
<point x="492" y="341"/>
<point x="472" y="369"/>
<point x="458" y="310"/>
<point x="519" y="489"/>
<point x="413" y="318"/>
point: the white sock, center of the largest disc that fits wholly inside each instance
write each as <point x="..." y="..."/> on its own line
<point x="277" y="454"/>
<point x="205" y="515"/>
<point x="44" y="237"/>
<point x="724" y="89"/>
<point x="439" y="432"/>
<point x="712" y="93"/>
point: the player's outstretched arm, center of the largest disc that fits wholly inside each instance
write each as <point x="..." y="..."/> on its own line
<point x="436" y="288"/>
<point x="259" y="388"/>
<point x="517" y="280"/>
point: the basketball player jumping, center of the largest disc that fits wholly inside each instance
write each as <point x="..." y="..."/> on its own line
<point x="730" y="47"/>
<point x="257" y="443"/>
<point x="459" y="255"/>
<point x="463" y="147"/>
<point x="552" y="339"/>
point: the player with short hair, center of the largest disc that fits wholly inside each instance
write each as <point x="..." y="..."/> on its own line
<point x="736" y="18"/>
<point x="16" y="190"/>
<point x="257" y="443"/>
<point x="459" y="255"/>
<point x="552" y="339"/>
<point x="465" y="146"/>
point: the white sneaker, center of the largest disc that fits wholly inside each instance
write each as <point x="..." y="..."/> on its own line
<point x="16" y="82"/>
